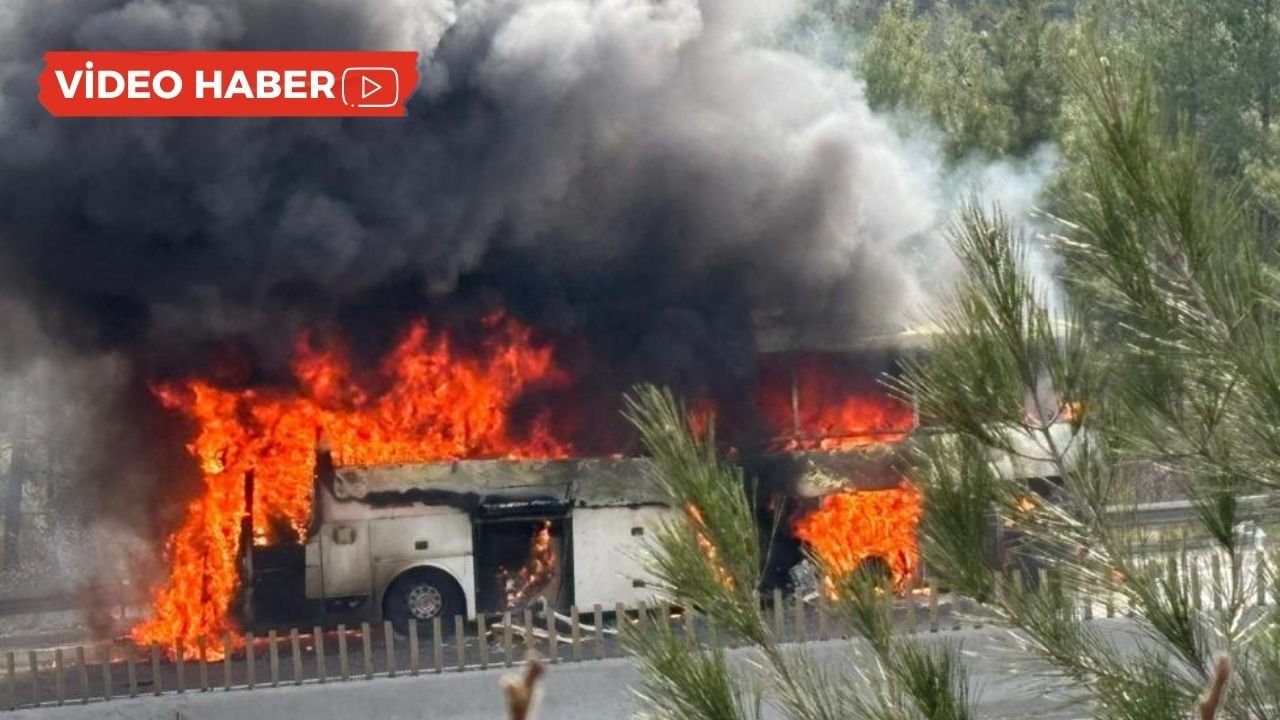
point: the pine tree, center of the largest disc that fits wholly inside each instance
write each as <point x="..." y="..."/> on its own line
<point x="988" y="76"/>
<point x="1164" y="364"/>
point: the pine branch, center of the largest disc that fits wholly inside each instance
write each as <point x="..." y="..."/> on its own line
<point x="709" y="559"/>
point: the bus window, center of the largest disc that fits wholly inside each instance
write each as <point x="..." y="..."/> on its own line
<point x="832" y="401"/>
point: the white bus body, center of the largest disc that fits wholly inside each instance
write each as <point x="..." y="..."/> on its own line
<point x="409" y="541"/>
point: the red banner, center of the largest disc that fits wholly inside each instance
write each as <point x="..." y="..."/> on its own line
<point x="228" y="84"/>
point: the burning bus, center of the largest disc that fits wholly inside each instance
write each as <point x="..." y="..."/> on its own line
<point x="424" y="499"/>
<point x="413" y="541"/>
<point x="417" y="541"/>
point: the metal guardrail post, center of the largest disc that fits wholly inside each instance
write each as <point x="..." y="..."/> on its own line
<point x="317" y="647"/>
<point x="389" y="642"/>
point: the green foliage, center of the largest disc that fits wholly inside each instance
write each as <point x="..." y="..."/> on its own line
<point x="1217" y="66"/>
<point x="990" y="78"/>
<point x="685" y="679"/>
<point x="935" y="678"/>
<point x="1167" y="252"/>
<point x="1162" y="362"/>
<point x="1169" y="365"/>
<point x="718" y="515"/>
<point x="994" y="76"/>
<point x="713" y="568"/>
<point x="898" y="64"/>
<point x="957" y="474"/>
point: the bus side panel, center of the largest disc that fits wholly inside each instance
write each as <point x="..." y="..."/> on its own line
<point x="608" y="554"/>
<point x="344" y="558"/>
<point x="439" y="539"/>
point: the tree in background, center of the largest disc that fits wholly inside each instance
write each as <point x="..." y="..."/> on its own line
<point x="1259" y="23"/>
<point x="991" y="75"/>
<point x="988" y="76"/>
<point x="1217" y="67"/>
<point x="1183" y="379"/>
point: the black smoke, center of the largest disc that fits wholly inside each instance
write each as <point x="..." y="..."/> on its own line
<point x="638" y="180"/>
<point x="636" y="172"/>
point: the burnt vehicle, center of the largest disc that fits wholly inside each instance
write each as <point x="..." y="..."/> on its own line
<point x="414" y="541"/>
<point x="417" y="541"/>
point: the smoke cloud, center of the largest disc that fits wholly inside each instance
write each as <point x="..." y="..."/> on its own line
<point x="595" y="164"/>
<point x="80" y="444"/>
<point x="637" y="177"/>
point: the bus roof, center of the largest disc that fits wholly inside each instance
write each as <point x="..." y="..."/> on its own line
<point x="585" y="482"/>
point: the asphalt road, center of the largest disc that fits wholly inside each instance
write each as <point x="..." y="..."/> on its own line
<point x="1006" y="681"/>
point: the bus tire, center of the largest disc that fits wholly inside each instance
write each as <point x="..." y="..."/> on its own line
<point x="421" y="595"/>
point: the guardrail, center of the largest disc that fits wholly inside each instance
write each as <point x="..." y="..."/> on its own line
<point x="106" y="671"/>
<point x="232" y="663"/>
<point x="1177" y="512"/>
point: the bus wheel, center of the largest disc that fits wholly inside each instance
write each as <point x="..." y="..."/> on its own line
<point x="422" y="595"/>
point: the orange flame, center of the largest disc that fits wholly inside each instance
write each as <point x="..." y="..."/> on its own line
<point x="427" y="401"/>
<point x="536" y="573"/>
<point x="708" y="548"/>
<point x="833" y="407"/>
<point x="701" y="415"/>
<point x="852" y="526"/>
<point x="1071" y="411"/>
<point x="1022" y="508"/>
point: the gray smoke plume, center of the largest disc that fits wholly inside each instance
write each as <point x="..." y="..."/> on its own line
<point x="72" y="470"/>
<point x="624" y="154"/>
<point x="634" y="178"/>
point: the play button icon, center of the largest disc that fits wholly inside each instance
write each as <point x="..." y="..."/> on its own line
<point x="370" y="87"/>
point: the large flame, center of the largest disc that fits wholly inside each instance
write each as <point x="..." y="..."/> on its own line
<point x="854" y="526"/>
<point x="820" y="404"/>
<point x="428" y="400"/>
